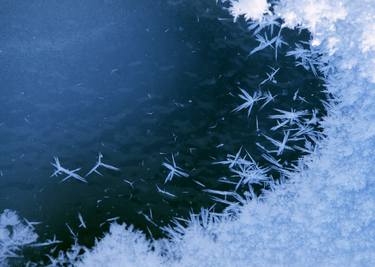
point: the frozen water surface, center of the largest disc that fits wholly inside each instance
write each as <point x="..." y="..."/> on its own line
<point x="80" y="82"/>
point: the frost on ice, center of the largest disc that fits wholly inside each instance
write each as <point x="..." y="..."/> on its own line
<point x="324" y="213"/>
<point x="251" y="9"/>
<point x="14" y="235"/>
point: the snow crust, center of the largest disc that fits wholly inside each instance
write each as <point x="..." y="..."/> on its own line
<point x="324" y="215"/>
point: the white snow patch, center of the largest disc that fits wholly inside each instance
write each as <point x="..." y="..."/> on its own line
<point x="135" y="250"/>
<point x="251" y="9"/>
<point x="14" y="235"/>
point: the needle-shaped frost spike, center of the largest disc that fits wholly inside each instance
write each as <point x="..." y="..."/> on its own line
<point x="279" y="42"/>
<point x="281" y="146"/>
<point x="314" y="119"/>
<point x="267" y="21"/>
<point x="263" y="43"/>
<point x="245" y="170"/>
<point x="307" y="58"/>
<point x="165" y="192"/>
<point x="112" y="219"/>
<point x="272" y="160"/>
<point x="304" y="130"/>
<point x="287" y="117"/>
<point x="268" y="97"/>
<point x="295" y="95"/>
<point x="174" y="170"/>
<point x="81" y="221"/>
<point x="249" y="101"/>
<point x="149" y="218"/>
<point x="69" y="173"/>
<point x="99" y="164"/>
<point x="74" y="175"/>
<point x="74" y="235"/>
<point x="129" y="182"/>
<point x="231" y="160"/>
<point x="57" y="165"/>
<point x="270" y="76"/>
<point x="31" y="224"/>
<point x="48" y="242"/>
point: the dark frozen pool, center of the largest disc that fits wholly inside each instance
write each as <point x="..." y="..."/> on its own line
<point x="137" y="81"/>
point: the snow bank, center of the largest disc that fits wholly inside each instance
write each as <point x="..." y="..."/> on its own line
<point x="325" y="214"/>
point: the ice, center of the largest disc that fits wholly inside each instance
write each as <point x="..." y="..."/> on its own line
<point x="324" y="213"/>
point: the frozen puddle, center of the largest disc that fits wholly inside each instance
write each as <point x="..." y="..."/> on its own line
<point x="241" y="117"/>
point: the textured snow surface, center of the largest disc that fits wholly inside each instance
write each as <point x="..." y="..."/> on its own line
<point x="251" y="9"/>
<point x="325" y="214"/>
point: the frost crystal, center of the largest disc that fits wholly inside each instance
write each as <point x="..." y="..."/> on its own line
<point x="14" y="235"/>
<point x="251" y="9"/>
<point x="323" y="214"/>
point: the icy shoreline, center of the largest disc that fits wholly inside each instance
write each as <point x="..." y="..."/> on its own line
<point x="325" y="214"/>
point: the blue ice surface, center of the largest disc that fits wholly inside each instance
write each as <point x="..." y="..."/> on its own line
<point x="324" y="214"/>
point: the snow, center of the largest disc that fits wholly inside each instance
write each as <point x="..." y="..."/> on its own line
<point x="251" y="9"/>
<point x="324" y="214"/>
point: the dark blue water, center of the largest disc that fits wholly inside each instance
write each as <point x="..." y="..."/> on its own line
<point x="136" y="81"/>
